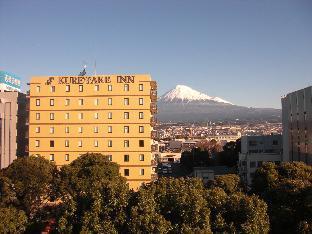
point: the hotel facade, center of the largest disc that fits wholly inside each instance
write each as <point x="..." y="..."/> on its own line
<point x="108" y="114"/>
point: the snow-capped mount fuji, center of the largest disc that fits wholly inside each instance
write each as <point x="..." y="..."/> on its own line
<point x="185" y="94"/>
<point x="184" y="104"/>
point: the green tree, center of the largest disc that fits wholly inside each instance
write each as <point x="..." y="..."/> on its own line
<point x="144" y="216"/>
<point x="94" y="196"/>
<point x="287" y="189"/>
<point x="230" y="183"/>
<point x="32" y="179"/>
<point x="237" y="212"/>
<point x="182" y="203"/>
<point x="12" y="220"/>
<point x="7" y="193"/>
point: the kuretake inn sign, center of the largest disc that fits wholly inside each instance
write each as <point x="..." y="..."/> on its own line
<point x="9" y="81"/>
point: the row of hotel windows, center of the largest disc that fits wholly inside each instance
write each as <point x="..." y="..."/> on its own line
<point x="96" y="115"/>
<point x="95" y="129"/>
<point x="96" y="88"/>
<point x="96" y="143"/>
<point x="110" y="157"/>
<point x="96" y="102"/>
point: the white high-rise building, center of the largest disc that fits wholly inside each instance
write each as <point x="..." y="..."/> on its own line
<point x="297" y="126"/>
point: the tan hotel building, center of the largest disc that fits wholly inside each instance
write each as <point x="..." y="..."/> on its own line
<point x="108" y="114"/>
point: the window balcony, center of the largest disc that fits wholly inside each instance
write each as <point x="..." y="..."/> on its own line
<point x="154" y="177"/>
<point x="154" y="134"/>
<point x="153" y="95"/>
<point x="153" y="121"/>
<point x="153" y="163"/>
<point x="154" y="148"/>
<point x="153" y="108"/>
<point x="153" y="85"/>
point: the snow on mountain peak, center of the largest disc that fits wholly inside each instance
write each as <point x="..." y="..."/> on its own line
<point x="187" y="94"/>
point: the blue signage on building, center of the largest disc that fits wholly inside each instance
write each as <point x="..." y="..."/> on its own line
<point x="10" y="79"/>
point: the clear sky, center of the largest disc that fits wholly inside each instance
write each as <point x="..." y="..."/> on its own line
<point x="247" y="52"/>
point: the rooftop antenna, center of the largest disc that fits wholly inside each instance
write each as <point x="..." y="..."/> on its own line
<point x="83" y="72"/>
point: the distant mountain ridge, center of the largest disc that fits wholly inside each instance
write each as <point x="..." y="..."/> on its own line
<point x="186" y="104"/>
<point x="183" y="93"/>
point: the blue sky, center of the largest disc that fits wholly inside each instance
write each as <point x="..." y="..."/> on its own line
<point x="247" y="52"/>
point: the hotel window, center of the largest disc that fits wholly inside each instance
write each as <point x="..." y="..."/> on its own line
<point x="126" y="143"/>
<point x="80" y="88"/>
<point x="66" y="143"/>
<point x="109" y="87"/>
<point x="96" y="102"/>
<point x="51" y="102"/>
<point x="110" y="143"/>
<point x="140" y="101"/>
<point x="52" y="89"/>
<point x="140" y="87"/>
<point x="110" y="115"/>
<point x="126" y="129"/>
<point x="80" y="115"/>
<point x="126" y="115"/>
<point x="51" y="130"/>
<point x="126" y="87"/>
<point x="51" y="157"/>
<point x="66" y="157"/>
<point x="80" y="143"/>
<point x="37" y="143"/>
<point x="37" y="116"/>
<point x="67" y="88"/>
<point x="96" y="143"/>
<point x="141" y="115"/>
<point x="126" y="158"/>
<point x="110" y="101"/>
<point x="80" y="102"/>
<point x="37" y="102"/>
<point x="67" y="101"/>
<point x="126" y="101"/>
<point x="141" y="143"/>
<point x="66" y="129"/>
<point x="110" y="129"/>
<point x="51" y="143"/>
<point x="66" y="115"/>
<point x="141" y="129"/>
<point x="37" y="129"/>
<point x="141" y="171"/>
<point x="96" y="115"/>
<point x="110" y="157"/>
<point x="126" y="172"/>
<point x="80" y="129"/>
<point x="96" y="88"/>
<point x="141" y="157"/>
<point x="38" y="89"/>
<point x="51" y="116"/>
<point x="96" y="129"/>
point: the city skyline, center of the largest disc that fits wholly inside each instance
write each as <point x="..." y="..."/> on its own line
<point x="249" y="53"/>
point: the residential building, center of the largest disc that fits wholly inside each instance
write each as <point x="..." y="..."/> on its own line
<point x="297" y="126"/>
<point x="107" y="114"/>
<point x="255" y="150"/>
<point x="12" y="126"/>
